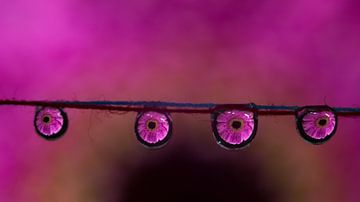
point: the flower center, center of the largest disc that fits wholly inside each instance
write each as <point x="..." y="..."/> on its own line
<point x="322" y="122"/>
<point x="151" y="125"/>
<point x="46" y="119"/>
<point x="236" y="124"/>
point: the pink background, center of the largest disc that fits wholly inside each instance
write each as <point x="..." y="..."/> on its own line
<point x="267" y="52"/>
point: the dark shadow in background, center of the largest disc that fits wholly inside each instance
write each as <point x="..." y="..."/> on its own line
<point x="184" y="176"/>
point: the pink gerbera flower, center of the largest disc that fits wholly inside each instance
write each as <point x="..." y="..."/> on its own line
<point x="316" y="125"/>
<point x="234" y="128"/>
<point x="50" y="123"/>
<point x="153" y="129"/>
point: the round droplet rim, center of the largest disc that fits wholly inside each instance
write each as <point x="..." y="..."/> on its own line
<point x="224" y="144"/>
<point x="61" y="132"/>
<point x="301" y="112"/>
<point x="160" y="143"/>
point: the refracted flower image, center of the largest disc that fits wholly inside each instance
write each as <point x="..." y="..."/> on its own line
<point x="153" y="129"/>
<point x="316" y="125"/>
<point x="234" y="128"/>
<point x="50" y="123"/>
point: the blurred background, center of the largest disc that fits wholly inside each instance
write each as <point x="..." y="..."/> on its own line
<point x="267" y="52"/>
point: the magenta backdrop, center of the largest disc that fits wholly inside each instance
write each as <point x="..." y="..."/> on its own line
<point x="267" y="52"/>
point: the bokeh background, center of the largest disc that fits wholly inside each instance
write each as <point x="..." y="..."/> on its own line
<point x="269" y="52"/>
